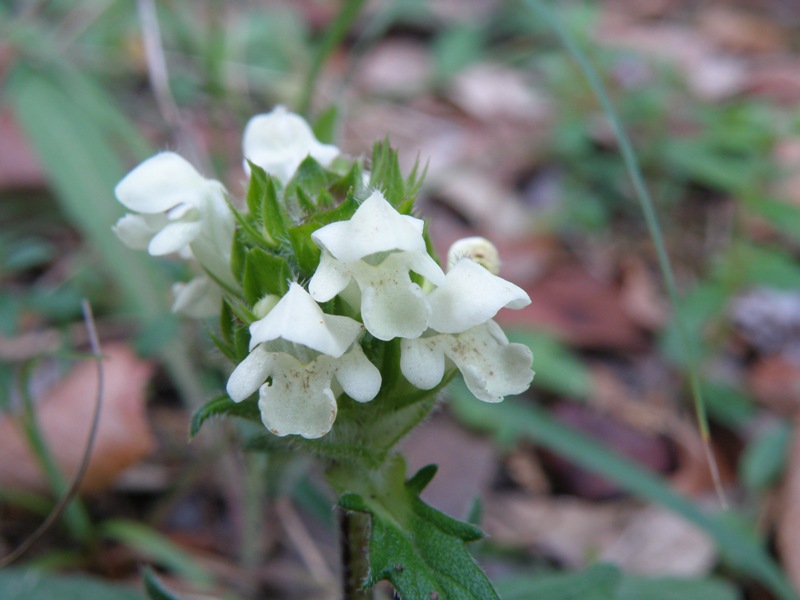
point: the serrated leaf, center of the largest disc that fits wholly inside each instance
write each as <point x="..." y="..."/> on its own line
<point x="308" y="182"/>
<point x="264" y="274"/>
<point x="223" y="405"/>
<point x="385" y="174"/>
<point x="420" y="550"/>
<point x="262" y="201"/>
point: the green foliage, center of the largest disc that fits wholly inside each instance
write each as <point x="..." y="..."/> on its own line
<point x="157" y="548"/>
<point x="264" y="274"/>
<point x="420" y="550"/>
<point x="31" y="584"/>
<point x="223" y="405"/>
<point x="765" y="457"/>
<point x="153" y="587"/>
<point x="606" y="582"/>
<point x="262" y="202"/>
<point x="386" y="176"/>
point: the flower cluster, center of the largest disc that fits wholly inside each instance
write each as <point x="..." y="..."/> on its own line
<point x="359" y="277"/>
<point x="369" y="261"/>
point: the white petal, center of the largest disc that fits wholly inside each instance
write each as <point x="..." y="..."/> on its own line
<point x="279" y="141"/>
<point x="160" y="183"/>
<point x="359" y="378"/>
<point x="470" y="296"/>
<point x="174" y="237"/>
<point x="375" y="227"/>
<point x="198" y="299"/>
<point x="492" y="367"/>
<point x="299" y="401"/>
<point x="391" y="304"/>
<point x="134" y="231"/>
<point x="422" y="362"/>
<point x="330" y="278"/>
<point x="424" y="265"/>
<point x="396" y="309"/>
<point x="297" y="318"/>
<point x="248" y="376"/>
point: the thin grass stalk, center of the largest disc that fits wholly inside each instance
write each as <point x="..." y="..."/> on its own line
<point x="651" y="219"/>
<point x="334" y="36"/>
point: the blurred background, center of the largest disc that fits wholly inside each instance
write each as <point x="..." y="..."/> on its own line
<point x="519" y="150"/>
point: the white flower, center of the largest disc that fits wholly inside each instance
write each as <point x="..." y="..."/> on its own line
<point x="491" y="366"/>
<point x="297" y="352"/>
<point x="178" y="211"/>
<point x="471" y="295"/>
<point x="377" y="248"/>
<point x="463" y="334"/>
<point x="199" y="299"/>
<point x="279" y="141"/>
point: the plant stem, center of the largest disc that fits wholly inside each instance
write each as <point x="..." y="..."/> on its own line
<point x="354" y="531"/>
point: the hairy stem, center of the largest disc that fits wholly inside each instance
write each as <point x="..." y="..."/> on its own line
<point x="354" y="531"/>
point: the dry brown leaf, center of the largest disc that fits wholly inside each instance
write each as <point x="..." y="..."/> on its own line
<point x="710" y="74"/>
<point x="490" y="92"/>
<point x="466" y="462"/>
<point x="641" y="297"/>
<point x="19" y="167"/>
<point x="64" y="414"/>
<point x="777" y="79"/>
<point x="659" y="542"/>
<point x="741" y="31"/>
<point x="581" y="309"/>
<point x="396" y="67"/>
<point x="788" y="519"/>
<point x="564" y="528"/>
<point x="775" y="381"/>
<point x="787" y="156"/>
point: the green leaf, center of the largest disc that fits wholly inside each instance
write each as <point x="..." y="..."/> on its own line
<point x="223" y="405"/>
<point x="325" y="125"/>
<point x="262" y="201"/>
<point x="748" y="264"/>
<point x="385" y="174"/>
<point x="728" y="404"/>
<point x="156" y="547"/>
<point x="264" y="274"/>
<point x="765" y="457"/>
<point x="33" y="584"/>
<point x="557" y="368"/>
<point x="154" y="588"/>
<point x="456" y="48"/>
<point x="782" y="215"/>
<point x="308" y="182"/>
<point x="420" y="550"/>
<point x="605" y="582"/>
<point x="598" y="582"/>
<point x="675" y="588"/>
<point x="512" y="418"/>
<point x="83" y="167"/>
